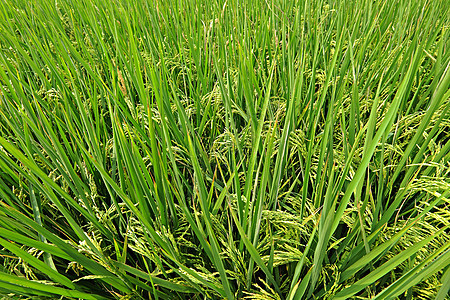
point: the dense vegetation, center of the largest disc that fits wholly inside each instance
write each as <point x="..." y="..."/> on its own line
<point x="224" y="150"/>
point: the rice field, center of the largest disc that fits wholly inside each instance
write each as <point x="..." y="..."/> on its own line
<point x="231" y="149"/>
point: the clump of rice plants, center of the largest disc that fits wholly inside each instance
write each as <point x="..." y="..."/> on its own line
<point x="229" y="150"/>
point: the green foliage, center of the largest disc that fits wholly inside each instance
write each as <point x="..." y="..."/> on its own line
<point x="227" y="150"/>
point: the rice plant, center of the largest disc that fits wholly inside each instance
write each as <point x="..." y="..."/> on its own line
<point x="236" y="149"/>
